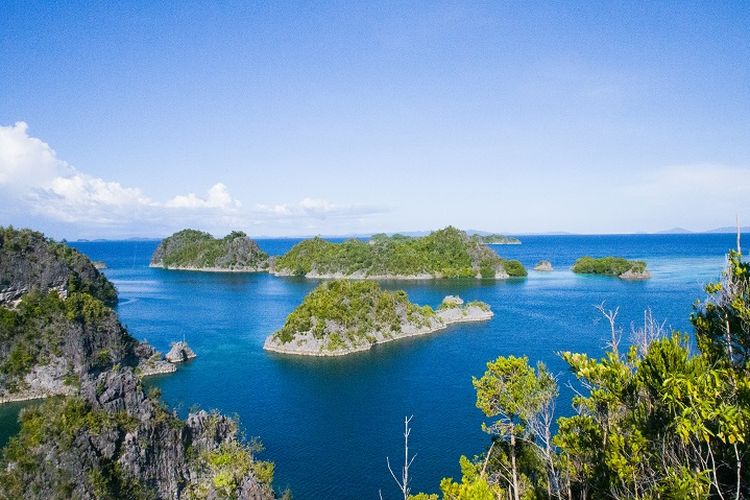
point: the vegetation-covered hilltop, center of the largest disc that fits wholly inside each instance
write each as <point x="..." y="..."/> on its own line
<point x="448" y="253"/>
<point x="195" y="250"/>
<point x="102" y="436"/>
<point x="656" y="419"/>
<point x="343" y="316"/>
<point x="612" y="266"/>
<point x="29" y="261"/>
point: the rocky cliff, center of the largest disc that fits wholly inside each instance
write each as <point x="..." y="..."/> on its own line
<point x="111" y="440"/>
<point x="29" y="261"/>
<point x="102" y="437"/>
<point x="56" y="323"/>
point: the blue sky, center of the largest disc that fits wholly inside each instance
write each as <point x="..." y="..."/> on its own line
<point x="300" y="118"/>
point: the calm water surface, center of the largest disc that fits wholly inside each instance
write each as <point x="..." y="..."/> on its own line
<point x="329" y="423"/>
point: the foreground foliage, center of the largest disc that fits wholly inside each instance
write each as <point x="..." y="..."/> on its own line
<point x="657" y="421"/>
<point x="448" y="253"/>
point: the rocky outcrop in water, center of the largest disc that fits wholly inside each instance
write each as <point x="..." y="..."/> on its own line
<point x="544" y="266"/>
<point x="635" y="275"/>
<point x="180" y="352"/>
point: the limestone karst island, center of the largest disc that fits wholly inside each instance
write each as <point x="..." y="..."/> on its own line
<point x="191" y="250"/>
<point x="99" y="434"/>
<point x="447" y="253"/>
<point x="343" y="317"/>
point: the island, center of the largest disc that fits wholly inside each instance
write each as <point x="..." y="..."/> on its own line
<point x="544" y="266"/>
<point x="191" y="250"/>
<point x="612" y="266"/>
<point x="447" y="253"/>
<point x="498" y="239"/>
<point x="342" y="317"/>
<point x="104" y="435"/>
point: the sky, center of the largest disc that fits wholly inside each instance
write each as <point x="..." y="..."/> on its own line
<point x="125" y="119"/>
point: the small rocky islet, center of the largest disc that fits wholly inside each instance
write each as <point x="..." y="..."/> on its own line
<point x="341" y="317"/>
<point x="544" y="266"/>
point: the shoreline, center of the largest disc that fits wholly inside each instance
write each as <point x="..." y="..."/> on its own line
<point x="446" y="322"/>
<point x="385" y="277"/>
<point x="208" y="269"/>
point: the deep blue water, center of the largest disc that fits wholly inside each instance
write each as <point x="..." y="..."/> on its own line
<point x="329" y="424"/>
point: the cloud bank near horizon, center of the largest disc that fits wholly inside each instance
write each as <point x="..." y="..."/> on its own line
<point x="41" y="190"/>
<point x="37" y="185"/>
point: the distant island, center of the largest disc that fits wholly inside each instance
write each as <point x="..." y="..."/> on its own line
<point x="612" y="266"/>
<point x="342" y="317"/>
<point x="498" y="239"/>
<point x="447" y="253"/>
<point x="191" y="250"/>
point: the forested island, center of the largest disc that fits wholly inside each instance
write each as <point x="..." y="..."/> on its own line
<point x="447" y="253"/>
<point x="343" y="316"/>
<point x="102" y="436"/>
<point x="612" y="266"/>
<point x="498" y="239"/>
<point x="192" y="250"/>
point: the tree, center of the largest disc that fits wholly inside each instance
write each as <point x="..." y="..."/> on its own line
<point x="516" y="394"/>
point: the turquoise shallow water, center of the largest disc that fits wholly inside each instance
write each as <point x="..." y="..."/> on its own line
<point x="329" y="423"/>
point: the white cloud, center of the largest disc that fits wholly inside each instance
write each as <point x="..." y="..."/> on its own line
<point x="34" y="179"/>
<point x="317" y="208"/>
<point x="37" y="186"/>
<point x="216" y="197"/>
<point x="27" y="161"/>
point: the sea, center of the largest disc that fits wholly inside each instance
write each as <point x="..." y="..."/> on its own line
<point x="329" y="424"/>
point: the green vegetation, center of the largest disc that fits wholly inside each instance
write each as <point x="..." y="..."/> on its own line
<point x="343" y="316"/>
<point x="659" y="421"/>
<point x="195" y="249"/>
<point x="60" y="421"/>
<point x="448" y="253"/>
<point x="37" y="329"/>
<point x="344" y="312"/>
<point x="611" y="266"/>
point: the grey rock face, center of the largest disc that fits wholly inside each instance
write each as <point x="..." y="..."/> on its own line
<point x="544" y="266"/>
<point x="29" y="261"/>
<point x="138" y="450"/>
<point x="180" y="352"/>
<point x="630" y="274"/>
